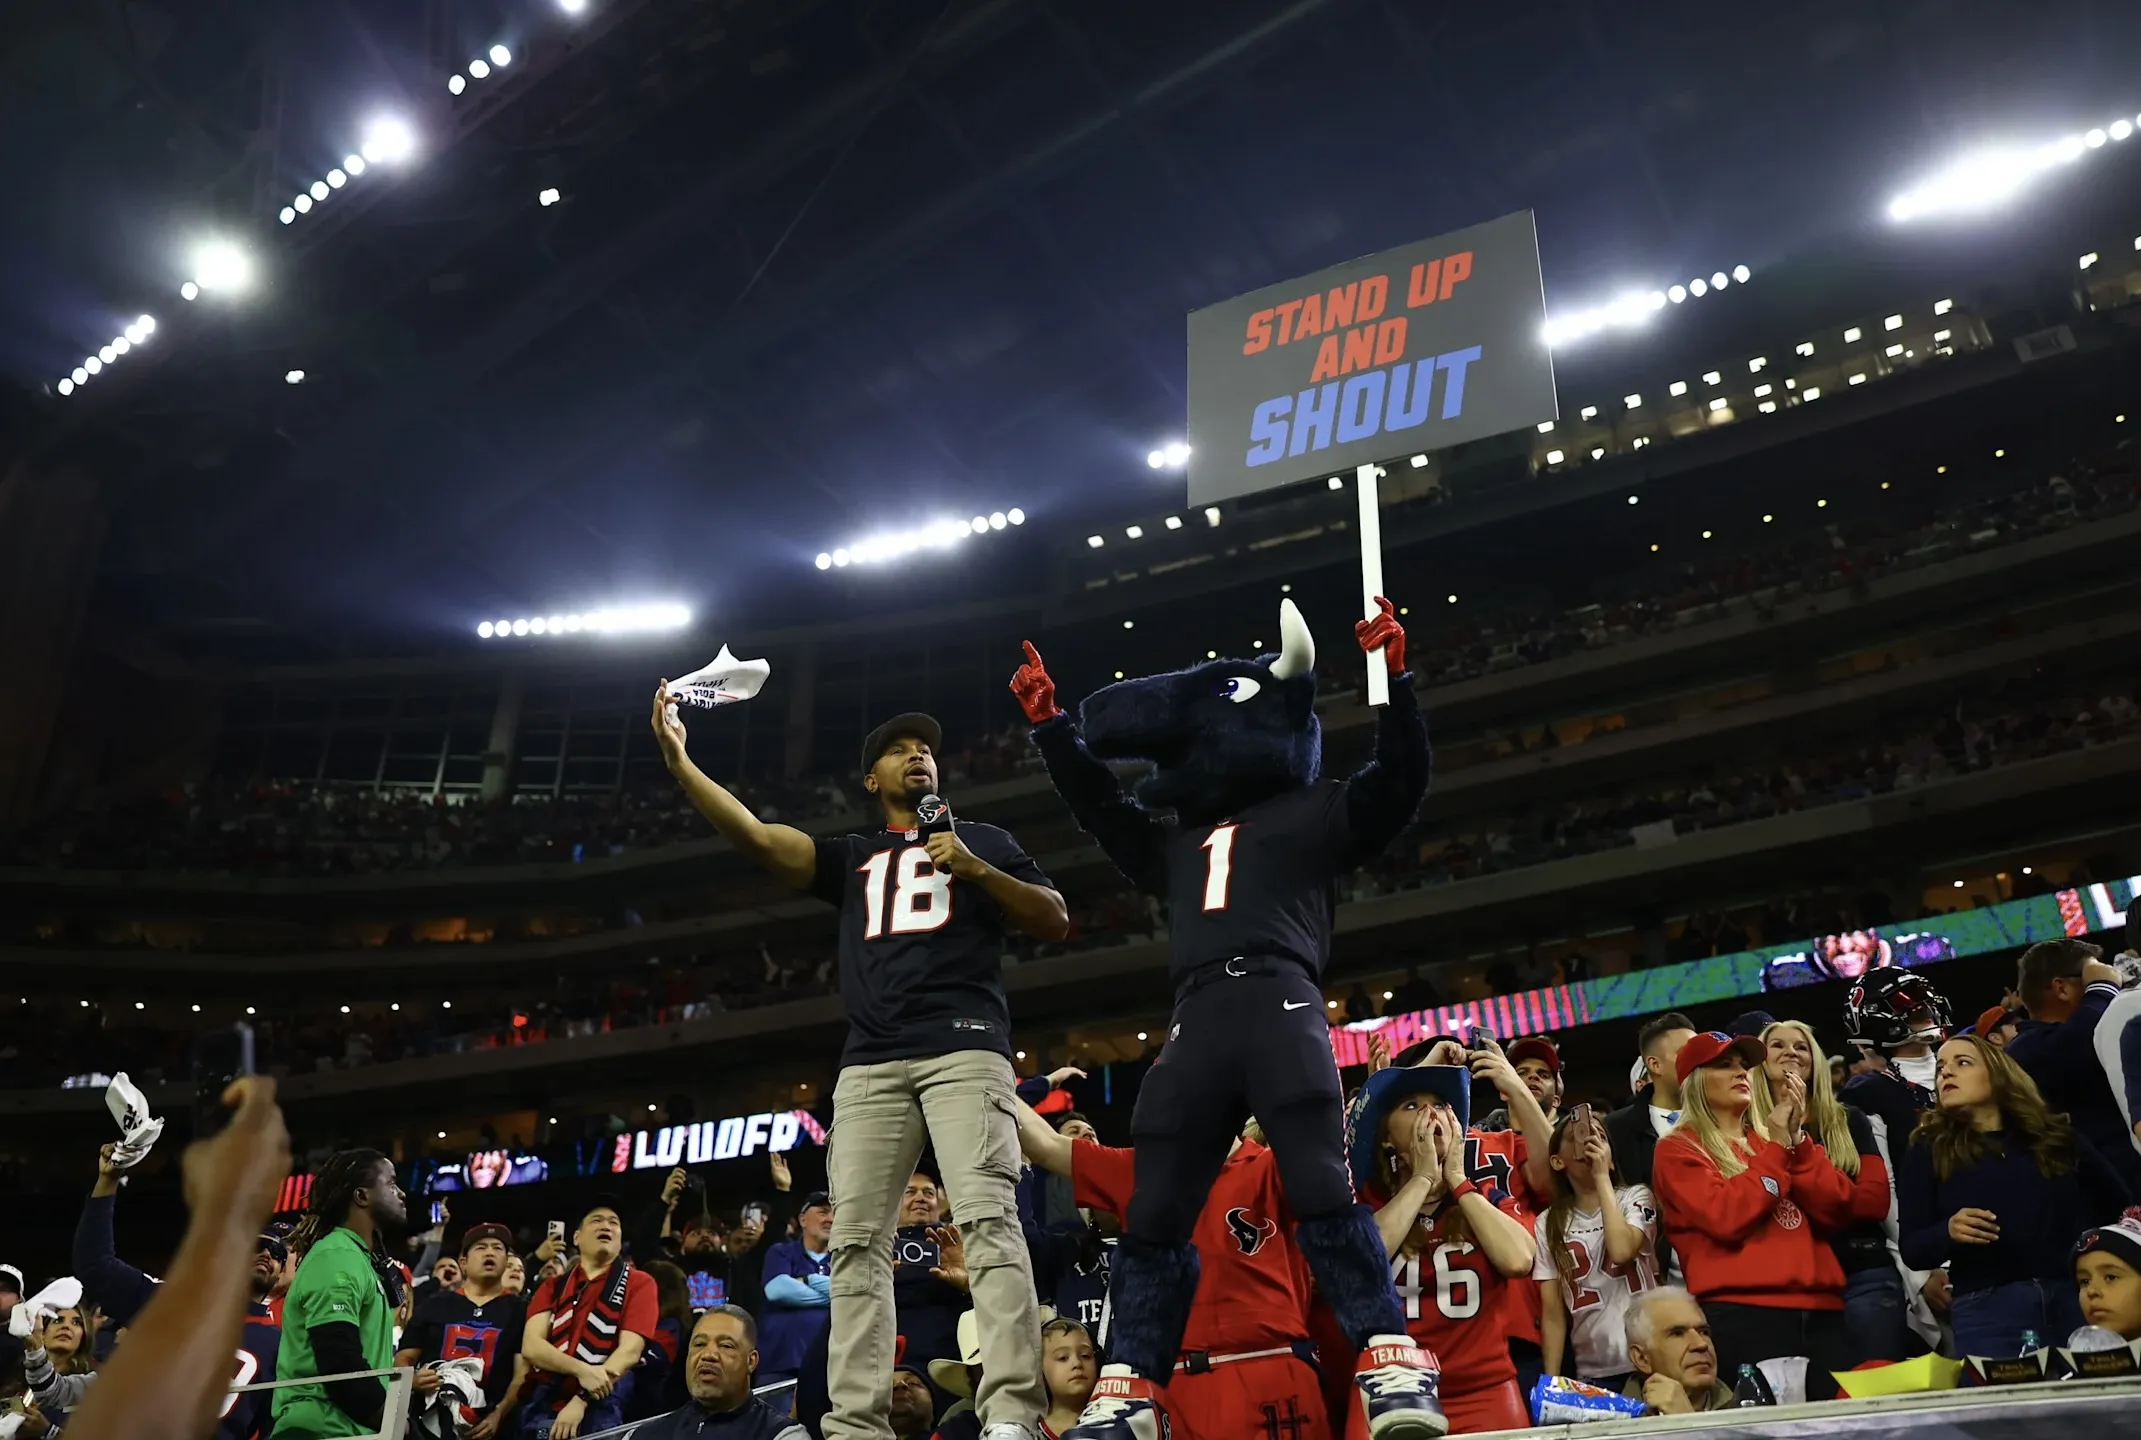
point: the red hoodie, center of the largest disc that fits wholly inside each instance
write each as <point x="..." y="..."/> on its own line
<point x="1762" y="1237"/>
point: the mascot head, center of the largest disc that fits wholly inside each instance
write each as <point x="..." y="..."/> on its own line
<point x="1221" y="735"/>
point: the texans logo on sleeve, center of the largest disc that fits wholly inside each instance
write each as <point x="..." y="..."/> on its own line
<point x="1249" y="1232"/>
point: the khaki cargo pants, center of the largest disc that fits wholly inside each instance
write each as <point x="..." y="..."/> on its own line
<point x="882" y="1115"/>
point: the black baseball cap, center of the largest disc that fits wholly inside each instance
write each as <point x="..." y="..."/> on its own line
<point x="815" y="1200"/>
<point x="601" y="1200"/>
<point x="914" y="722"/>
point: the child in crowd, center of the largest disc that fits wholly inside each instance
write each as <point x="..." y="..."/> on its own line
<point x="1069" y="1366"/>
<point x="1992" y="1184"/>
<point x="2107" y="1270"/>
<point x="1597" y="1246"/>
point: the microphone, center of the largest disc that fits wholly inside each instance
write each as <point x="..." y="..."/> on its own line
<point x="932" y="817"/>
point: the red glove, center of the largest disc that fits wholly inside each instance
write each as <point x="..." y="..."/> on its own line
<point x="1383" y="631"/>
<point x="1035" y="691"/>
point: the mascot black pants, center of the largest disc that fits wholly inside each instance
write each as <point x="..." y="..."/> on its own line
<point x="1248" y="1037"/>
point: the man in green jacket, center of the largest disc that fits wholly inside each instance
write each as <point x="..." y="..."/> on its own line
<point x="339" y="1314"/>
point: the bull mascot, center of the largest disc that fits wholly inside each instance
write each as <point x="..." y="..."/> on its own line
<point x="1247" y="846"/>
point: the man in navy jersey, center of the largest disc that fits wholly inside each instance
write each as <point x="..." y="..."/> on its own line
<point x="1249" y="865"/>
<point x="925" y="904"/>
<point x="120" y="1290"/>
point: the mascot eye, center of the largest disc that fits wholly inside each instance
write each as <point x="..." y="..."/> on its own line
<point x="1239" y="688"/>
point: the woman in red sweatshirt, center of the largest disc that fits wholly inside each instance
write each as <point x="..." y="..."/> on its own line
<point x="1750" y="1210"/>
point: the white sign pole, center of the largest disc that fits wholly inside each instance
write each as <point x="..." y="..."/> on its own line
<point x="1371" y="573"/>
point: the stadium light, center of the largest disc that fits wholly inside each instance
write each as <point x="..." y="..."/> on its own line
<point x="621" y="620"/>
<point x="937" y="535"/>
<point x="112" y="351"/>
<point x="500" y="56"/>
<point x="1985" y="179"/>
<point x="572" y="7"/>
<point x="1174" y="522"/>
<point x="388" y="140"/>
<point x="1171" y="456"/>
<point x="479" y="69"/>
<point x="456" y="83"/>
<point x="220" y="265"/>
<point x="548" y="196"/>
<point x="293" y="377"/>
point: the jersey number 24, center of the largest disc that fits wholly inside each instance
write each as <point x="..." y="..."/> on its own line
<point x="921" y="897"/>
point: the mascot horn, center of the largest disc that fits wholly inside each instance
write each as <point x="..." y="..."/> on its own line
<point x="1248" y="857"/>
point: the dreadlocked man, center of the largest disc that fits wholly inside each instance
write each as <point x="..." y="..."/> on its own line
<point x="339" y="1315"/>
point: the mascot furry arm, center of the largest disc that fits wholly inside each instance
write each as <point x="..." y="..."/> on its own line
<point x="1273" y="741"/>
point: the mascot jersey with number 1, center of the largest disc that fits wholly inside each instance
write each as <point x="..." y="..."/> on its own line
<point x="1237" y="833"/>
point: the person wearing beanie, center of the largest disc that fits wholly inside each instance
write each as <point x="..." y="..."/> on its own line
<point x="2107" y="1271"/>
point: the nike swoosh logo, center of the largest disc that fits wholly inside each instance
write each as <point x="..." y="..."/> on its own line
<point x="1292" y="1004"/>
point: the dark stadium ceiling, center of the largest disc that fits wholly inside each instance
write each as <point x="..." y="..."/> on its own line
<point x="818" y="269"/>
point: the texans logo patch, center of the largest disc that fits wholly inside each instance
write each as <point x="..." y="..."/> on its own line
<point x="1249" y="1232"/>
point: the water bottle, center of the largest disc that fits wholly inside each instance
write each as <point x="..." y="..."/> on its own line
<point x="2030" y="1343"/>
<point x="1748" y="1393"/>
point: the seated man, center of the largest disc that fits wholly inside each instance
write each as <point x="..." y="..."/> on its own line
<point x="1675" y="1363"/>
<point x="585" y="1331"/>
<point x="914" y="1404"/>
<point x="799" y="1290"/>
<point x="717" y="1371"/>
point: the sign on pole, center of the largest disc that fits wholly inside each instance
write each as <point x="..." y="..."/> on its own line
<point x="1419" y="348"/>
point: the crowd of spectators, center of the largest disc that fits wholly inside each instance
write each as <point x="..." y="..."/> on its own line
<point x="1836" y="557"/>
<point x="284" y="828"/>
<point x="68" y="1038"/>
<point x="1748" y="1218"/>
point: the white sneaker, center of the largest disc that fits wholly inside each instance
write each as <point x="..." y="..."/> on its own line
<point x="1399" y="1385"/>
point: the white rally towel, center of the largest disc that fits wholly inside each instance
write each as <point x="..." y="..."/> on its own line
<point x="64" y="1293"/>
<point x="724" y="681"/>
<point x="138" y="1130"/>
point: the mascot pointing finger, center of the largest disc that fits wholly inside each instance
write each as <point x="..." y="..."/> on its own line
<point x="1236" y="831"/>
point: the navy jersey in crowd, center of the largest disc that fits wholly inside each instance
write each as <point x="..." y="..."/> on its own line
<point x="921" y="953"/>
<point x="120" y="1290"/>
<point x="450" y="1326"/>
<point x="1264" y="881"/>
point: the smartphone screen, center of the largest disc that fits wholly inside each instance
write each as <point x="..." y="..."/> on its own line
<point x="219" y="1057"/>
<point x="438" y="1212"/>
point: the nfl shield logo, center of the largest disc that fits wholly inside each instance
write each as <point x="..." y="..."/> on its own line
<point x="1769" y="1185"/>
